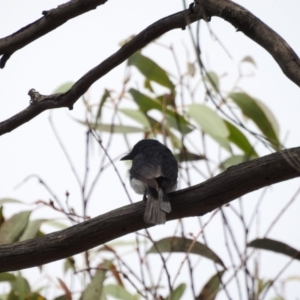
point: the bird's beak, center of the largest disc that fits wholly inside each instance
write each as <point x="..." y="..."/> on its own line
<point x="126" y="157"/>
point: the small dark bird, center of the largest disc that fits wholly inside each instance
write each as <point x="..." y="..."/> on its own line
<point x="153" y="174"/>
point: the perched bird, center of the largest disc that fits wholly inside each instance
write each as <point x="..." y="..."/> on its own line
<point x="153" y="174"/>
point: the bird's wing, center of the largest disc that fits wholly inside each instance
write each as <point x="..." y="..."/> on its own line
<point x="146" y="172"/>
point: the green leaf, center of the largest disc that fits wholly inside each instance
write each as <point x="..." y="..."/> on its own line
<point x="113" y="128"/>
<point x="178" y="122"/>
<point x="144" y="102"/>
<point x="275" y="246"/>
<point x="69" y="264"/>
<point x="180" y="244"/>
<point x="32" y="229"/>
<point x="178" y="292"/>
<point x="137" y="116"/>
<point x="151" y="70"/>
<point x="240" y="140"/>
<point x="63" y="87"/>
<point x="105" y="96"/>
<point x="94" y="289"/>
<point x="232" y="161"/>
<point x="13" y="228"/>
<point x="20" y="287"/>
<point x="62" y="297"/>
<point x="211" y="288"/>
<point x="174" y="119"/>
<point x="147" y="85"/>
<point x="213" y="79"/>
<point x="1" y="216"/>
<point x="10" y="200"/>
<point x="118" y="292"/>
<point x="7" y="277"/>
<point x="260" y="115"/>
<point x="210" y="123"/>
<point x="188" y="156"/>
<point x="208" y="120"/>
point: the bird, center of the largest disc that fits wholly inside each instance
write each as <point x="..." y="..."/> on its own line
<point x="153" y="174"/>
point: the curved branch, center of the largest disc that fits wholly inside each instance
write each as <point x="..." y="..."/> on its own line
<point x="229" y="11"/>
<point x="194" y="201"/>
<point x="51" y="20"/>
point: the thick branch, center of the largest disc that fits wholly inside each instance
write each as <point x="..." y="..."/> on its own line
<point x="194" y="201"/>
<point x="233" y="13"/>
<point x="51" y="20"/>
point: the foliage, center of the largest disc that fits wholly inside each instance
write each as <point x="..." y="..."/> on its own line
<point x="233" y="122"/>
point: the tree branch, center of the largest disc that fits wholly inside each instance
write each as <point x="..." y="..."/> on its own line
<point x="229" y="11"/>
<point x="51" y="20"/>
<point x="194" y="201"/>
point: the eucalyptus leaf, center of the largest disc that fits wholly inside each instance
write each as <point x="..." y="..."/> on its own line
<point x="180" y="244"/>
<point x="213" y="80"/>
<point x="113" y="128"/>
<point x="208" y="120"/>
<point x="137" y="116"/>
<point x="260" y="115"/>
<point x="211" y="288"/>
<point x="13" y="228"/>
<point x="118" y="292"/>
<point x="63" y="87"/>
<point x="232" y="161"/>
<point x="275" y="246"/>
<point x="94" y="289"/>
<point x="240" y="140"/>
<point x="32" y="229"/>
<point x="150" y="69"/>
<point x="178" y="292"/>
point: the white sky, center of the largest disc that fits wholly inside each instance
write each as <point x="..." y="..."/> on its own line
<point x="77" y="46"/>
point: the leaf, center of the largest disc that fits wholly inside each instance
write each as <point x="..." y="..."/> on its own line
<point x="179" y="244"/>
<point x="94" y="289"/>
<point x="63" y="87"/>
<point x="69" y="264"/>
<point x="210" y="123"/>
<point x="151" y="70"/>
<point x="32" y="229"/>
<point x="174" y="120"/>
<point x="178" y="292"/>
<point x="211" y="288"/>
<point x="7" y="277"/>
<point x="118" y="292"/>
<point x="20" y="287"/>
<point x="275" y="246"/>
<point x="10" y="200"/>
<point x="250" y="60"/>
<point x="191" y="69"/>
<point x="188" y="156"/>
<point x="144" y="102"/>
<point x="147" y="85"/>
<point x="232" y="161"/>
<point x="62" y="284"/>
<point x="1" y="216"/>
<point x="260" y="115"/>
<point x="213" y="79"/>
<point x="13" y="228"/>
<point x="105" y="96"/>
<point x="178" y="122"/>
<point x="240" y="140"/>
<point x="113" y="128"/>
<point x="138" y="116"/>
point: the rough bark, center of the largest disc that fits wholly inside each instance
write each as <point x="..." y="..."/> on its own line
<point x="194" y="201"/>
<point x="238" y="16"/>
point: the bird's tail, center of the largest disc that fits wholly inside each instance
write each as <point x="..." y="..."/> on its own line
<point x="156" y="209"/>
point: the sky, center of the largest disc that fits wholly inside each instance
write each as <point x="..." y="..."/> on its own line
<point x="71" y="50"/>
